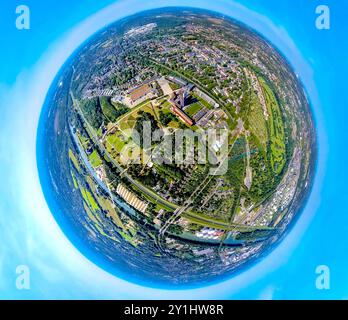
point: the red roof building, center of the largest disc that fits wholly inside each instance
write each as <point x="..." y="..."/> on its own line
<point x="139" y="92"/>
<point x="182" y="115"/>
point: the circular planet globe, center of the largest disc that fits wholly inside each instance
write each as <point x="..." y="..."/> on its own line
<point x="176" y="147"/>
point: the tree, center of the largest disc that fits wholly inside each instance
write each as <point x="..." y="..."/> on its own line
<point x="93" y="112"/>
<point x="175" y="228"/>
<point x="142" y="118"/>
<point x="166" y="118"/>
<point x="111" y="112"/>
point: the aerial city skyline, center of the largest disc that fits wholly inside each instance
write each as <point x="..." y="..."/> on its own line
<point x="144" y="185"/>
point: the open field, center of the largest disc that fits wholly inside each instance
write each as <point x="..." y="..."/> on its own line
<point x="89" y="199"/>
<point x="115" y="142"/>
<point x="95" y="159"/>
<point x="127" y="122"/>
<point x="257" y="122"/>
<point x="276" y="130"/>
<point x="192" y="109"/>
<point x="203" y="102"/>
<point x="74" y="160"/>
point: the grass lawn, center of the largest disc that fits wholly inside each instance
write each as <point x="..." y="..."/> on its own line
<point x="115" y="141"/>
<point x="74" y="160"/>
<point x="165" y="106"/>
<point x="74" y="180"/>
<point x="276" y="130"/>
<point x="142" y="104"/>
<point x="127" y="125"/>
<point x="162" y="100"/>
<point x="111" y="212"/>
<point x="127" y="238"/>
<point x="193" y="109"/>
<point x="174" y="86"/>
<point x="174" y="124"/>
<point x="257" y="122"/>
<point x="89" y="213"/>
<point x="89" y="199"/>
<point x="128" y="122"/>
<point x="203" y="102"/>
<point x="83" y="140"/>
<point x="94" y="159"/>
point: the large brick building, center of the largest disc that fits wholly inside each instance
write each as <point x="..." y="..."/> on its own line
<point x="182" y="115"/>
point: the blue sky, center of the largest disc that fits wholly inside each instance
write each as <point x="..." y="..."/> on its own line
<point x="28" y="233"/>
